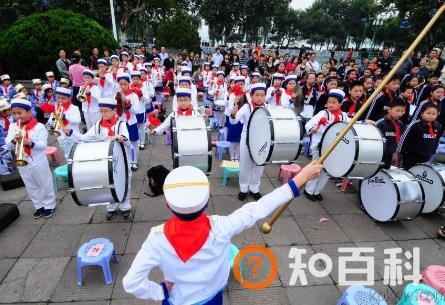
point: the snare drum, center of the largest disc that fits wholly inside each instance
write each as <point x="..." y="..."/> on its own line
<point x="191" y="142"/>
<point x="392" y="194"/>
<point x="307" y="113"/>
<point x="98" y="172"/>
<point x="432" y="178"/>
<point x="358" y="155"/>
<point x="219" y="105"/>
<point x="274" y="134"/>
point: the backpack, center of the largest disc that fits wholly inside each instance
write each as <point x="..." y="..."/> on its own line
<point x="156" y="177"/>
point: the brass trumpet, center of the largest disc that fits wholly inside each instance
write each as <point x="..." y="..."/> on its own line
<point x="57" y="123"/>
<point x="19" y="148"/>
<point x="82" y="95"/>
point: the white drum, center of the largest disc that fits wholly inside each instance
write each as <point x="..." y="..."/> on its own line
<point x="274" y="134"/>
<point x="307" y="113"/>
<point x="358" y="155"/>
<point x="98" y="172"/>
<point x="432" y="178"/>
<point x="392" y="194"/>
<point x="219" y="105"/>
<point x="191" y="142"/>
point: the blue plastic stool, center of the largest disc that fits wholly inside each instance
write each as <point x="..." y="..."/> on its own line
<point x="103" y="259"/>
<point x="227" y="172"/>
<point x="412" y="291"/>
<point x="220" y="146"/>
<point x="60" y="172"/>
<point x="222" y="134"/>
<point x="359" y="295"/>
<point x="233" y="253"/>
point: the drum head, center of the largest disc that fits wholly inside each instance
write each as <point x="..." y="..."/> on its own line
<point x="379" y="196"/>
<point x="118" y="168"/>
<point x="259" y="136"/>
<point x="431" y="176"/>
<point x="341" y="161"/>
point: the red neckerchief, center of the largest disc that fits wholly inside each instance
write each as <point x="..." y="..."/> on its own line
<point x="51" y="84"/>
<point x="102" y="81"/>
<point x="187" y="237"/>
<point x="28" y="126"/>
<point x="186" y="112"/>
<point x="136" y="89"/>
<point x="109" y="125"/>
<point x="48" y="105"/>
<point x="278" y="95"/>
<point x="135" y="67"/>
<point x="351" y="111"/>
<point x="337" y="115"/>
<point x="65" y="107"/>
<point x="396" y="129"/>
<point x="289" y="91"/>
<point x="431" y="130"/>
<point x="114" y="72"/>
<point x="127" y="102"/>
<point x="7" y="122"/>
<point x="89" y="95"/>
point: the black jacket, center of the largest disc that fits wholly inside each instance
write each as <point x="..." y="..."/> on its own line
<point x="347" y="104"/>
<point x="389" y="133"/>
<point x="417" y="140"/>
<point x="378" y="106"/>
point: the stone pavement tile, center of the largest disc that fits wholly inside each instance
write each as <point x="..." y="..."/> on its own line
<point x="101" y="211"/>
<point x="218" y="171"/>
<point x="386" y="292"/>
<point x="138" y="234"/>
<point x="266" y="186"/>
<point x="285" y="272"/>
<point x="152" y="209"/>
<point x="23" y="304"/>
<point x="267" y="296"/>
<point x="403" y="230"/>
<point x="141" y="173"/>
<point x="341" y="203"/>
<point x="133" y="302"/>
<point x="155" y="275"/>
<point x="138" y="187"/>
<point x="251" y="236"/>
<point x="93" y="285"/>
<point x="70" y="213"/>
<point x="55" y="240"/>
<point x="116" y="232"/>
<point x="324" y="232"/>
<point x="431" y="253"/>
<point x="15" y="238"/>
<point x="430" y="223"/>
<point x="360" y="228"/>
<point x="303" y="206"/>
<point x="26" y="209"/>
<point x="6" y="265"/>
<point x="313" y="295"/>
<point x="271" y="170"/>
<point x="32" y="279"/>
<point x="379" y="254"/>
<point x="285" y="233"/>
<point x="85" y="303"/>
<point x="13" y="196"/>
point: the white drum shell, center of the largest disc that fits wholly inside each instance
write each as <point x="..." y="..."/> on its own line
<point x="391" y="195"/>
<point x="432" y="178"/>
<point x="191" y="142"/>
<point x="358" y="155"/>
<point x="274" y="134"/>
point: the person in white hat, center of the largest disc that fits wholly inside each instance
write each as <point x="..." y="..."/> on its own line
<point x="188" y="72"/>
<point x="315" y="127"/>
<point x="127" y="66"/>
<point x="6" y="89"/>
<point x="250" y="174"/>
<point x="191" y="248"/>
<point x="51" y="80"/>
<point x="90" y="107"/>
<point x="219" y="93"/>
<point x="132" y="107"/>
<point x="211" y="85"/>
<point x="105" y="80"/>
<point x="255" y="78"/>
<point x="235" y="70"/>
<point x="274" y="92"/>
<point x="109" y="126"/>
<point x="245" y="74"/>
<point x="157" y="74"/>
<point x="35" y="94"/>
<point x="36" y="175"/>
<point x="64" y="82"/>
<point x="19" y="88"/>
<point x="207" y="75"/>
<point x="289" y="96"/>
<point x="70" y="116"/>
<point x="5" y="115"/>
<point x="115" y="66"/>
<point x="46" y="104"/>
<point x="136" y="87"/>
<point x="185" y="82"/>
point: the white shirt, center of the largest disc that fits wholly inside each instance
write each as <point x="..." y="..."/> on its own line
<point x="217" y="59"/>
<point x="231" y="103"/>
<point x="313" y="65"/>
<point x="93" y="107"/>
<point x="72" y="115"/>
<point x="194" y="102"/>
<point x="100" y="133"/>
<point x="134" y="109"/>
<point x="109" y="88"/>
<point x="286" y="99"/>
<point x="271" y="96"/>
<point x="207" y="271"/>
<point x="167" y="122"/>
<point x="243" y="116"/>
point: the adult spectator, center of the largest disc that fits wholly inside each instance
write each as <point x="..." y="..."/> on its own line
<point x="92" y="61"/>
<point x="197" y="62"/>
<point x="163" y="55"/>
<point x="154" y="53"/>
<point x="406" y="66"/>
<point x="63" y="64"/>
<point x="83" y="61"/>
<point x="313" y="64"/>
<point x="253" y="63"/>
<point x="217" y="58"/>
<point x="364" y="65"/>
<point x="169" y="62"/>
<point x="76" y="76"/>
<point x="385" y="62"/>
<point x="107" y="56"/>
<point x="242" y="58"/>
<point x="432" y="61"/>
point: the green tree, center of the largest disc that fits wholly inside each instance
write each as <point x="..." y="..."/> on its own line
<point x="31" y="44"/>
<point x="178" y="32"/>
<point x="286" y="25"/>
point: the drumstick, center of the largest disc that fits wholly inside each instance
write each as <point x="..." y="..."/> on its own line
<point x="267" y="226"/>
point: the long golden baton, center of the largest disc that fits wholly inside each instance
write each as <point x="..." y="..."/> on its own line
<point x="267" y="226"/>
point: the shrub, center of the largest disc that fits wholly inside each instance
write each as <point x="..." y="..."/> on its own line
<point x="178" y="32"/>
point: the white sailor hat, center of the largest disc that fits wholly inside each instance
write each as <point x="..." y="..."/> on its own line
<point x="186" y="70"/>
<point x="135" y="74"/>
<point x="114" y="57"/>
<point x="240" y="79"/>
<point x="257" y="87"/>
<point x="64" y="80"/>
<point x="215" y="67"/>
<point x="220" y="72"/>
<point x="232" y="78"/>
<point x="46" y="87"/>
<point x="102" y="61"/>
<point x="184" y="79"/>
<point x="123" y="76"/>
<point x="4" y="105"/>
<point x="184" y="63"/>
<point x="156" y="59"/>
<point x="337" y="93"/>
<point x="206" y="63"/>
<point x="88" y="72"/>
<point x="183" y="92"/>
<point x="142" y="70"/>
<point x="63" y="91"/>
<point x="4" y="77"/>
<point x="256" y="74"/>
<point x="244" y="67"/>
<point x="124" y="53"/>
<point x="148" y="64"/>
<point x="107" y="102"/>
<point x="289" y="78"/>
<point x="236" y="64"/>
<point x="18" y="87"/>
<point x="19" y="95"/>
<point x="186" y="190"/>
<point x="277" y="75"/>
<point x="36" y="81"/>
<point x="21" y="102"/>
<point x="49" y="73"/>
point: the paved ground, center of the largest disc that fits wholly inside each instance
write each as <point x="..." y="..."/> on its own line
<point x="38" y="263"/>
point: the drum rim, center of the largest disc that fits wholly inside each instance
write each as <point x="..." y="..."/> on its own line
<point x="110" y="171"/>
<point x="272" y="135"/>
<point x="70" y="175"/>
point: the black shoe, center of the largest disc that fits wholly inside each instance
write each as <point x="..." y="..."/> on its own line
<point x="110" y="215"/>
<point x="309" y="196"/>
<point x="134" y="167"/>
<point x="242" y="196"/>
<point x="256" y="196"/>
<point x="48" y="213"/>
<point x="141" y="147"/>
<point x="319" y="197"/>
<point x="38" y="213"/>
<point x="126" y="214"/>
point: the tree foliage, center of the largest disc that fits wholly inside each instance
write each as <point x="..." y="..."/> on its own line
<point x="178" y="32"/>
<point x="31" y="44"/>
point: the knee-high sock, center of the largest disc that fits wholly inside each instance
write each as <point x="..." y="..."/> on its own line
<point x="141" y="128"/>
<point x="134" y="152"/>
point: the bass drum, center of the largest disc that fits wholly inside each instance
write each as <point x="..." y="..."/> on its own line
<point x="191" y="142"/>
<point x="98" y="172"/>
<point x="391" y="195"/>
<point x="432" y="178"/>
